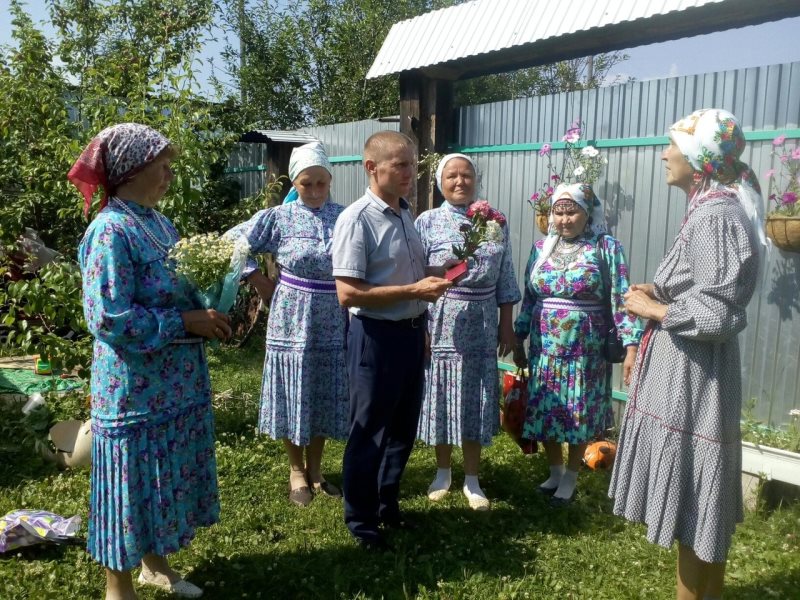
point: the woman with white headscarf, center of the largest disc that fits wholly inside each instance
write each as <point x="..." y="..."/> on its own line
<point x="678" y="466"/>
<point x="572" y="275"/>
<point x="460" y="404"/>
<point x="304" y="396"/>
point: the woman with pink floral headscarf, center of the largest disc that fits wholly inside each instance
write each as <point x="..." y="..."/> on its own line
<point x="153" y="480"/>
<point x="678" y="465"/>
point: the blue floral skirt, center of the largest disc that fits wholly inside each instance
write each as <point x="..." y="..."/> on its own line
<point x="152" y="485"/>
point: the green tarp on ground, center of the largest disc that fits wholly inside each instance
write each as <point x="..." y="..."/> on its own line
<point x="25" y="381"/>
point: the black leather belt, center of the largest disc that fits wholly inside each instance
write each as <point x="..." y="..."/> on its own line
<point x="412" y="323"/>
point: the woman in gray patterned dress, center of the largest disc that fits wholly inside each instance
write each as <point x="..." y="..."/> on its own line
<point x="304" y="390"/>
<point x="460" y="405"/>
<point x="678" y="466"/>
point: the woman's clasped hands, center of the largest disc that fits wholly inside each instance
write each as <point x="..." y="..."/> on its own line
<point x="207" y="323"/>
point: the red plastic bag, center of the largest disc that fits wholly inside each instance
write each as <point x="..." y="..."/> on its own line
<point x="514" y="408"/>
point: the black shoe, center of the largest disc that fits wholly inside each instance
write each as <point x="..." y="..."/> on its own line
<point x="401" y="521"/>
<point x="556" y="502"/>
<point x="546" y="491"/>
<point x="374" y="545"/>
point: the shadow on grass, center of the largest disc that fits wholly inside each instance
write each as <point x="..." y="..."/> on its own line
<point x="452" y="545"/>
<point x="785" y="586"/>
<point x="18" y="467"/>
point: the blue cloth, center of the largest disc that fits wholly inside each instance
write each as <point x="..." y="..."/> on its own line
<point x="292" y="196"/>
<point x="304" y="384"/>
<point x="461" y="392"/>
<point x="385" y="365"/>
<point x="153" y="479"/>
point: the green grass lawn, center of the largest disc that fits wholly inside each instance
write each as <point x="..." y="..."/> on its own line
<point x="266" y="548"/>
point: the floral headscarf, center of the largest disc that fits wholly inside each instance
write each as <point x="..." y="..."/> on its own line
<point x="113" y="157"/>
<point x="712" y="141"/>
<point x="583" y="195"/>
<point x="446" y="159"/>
<point x="303" y="157"/>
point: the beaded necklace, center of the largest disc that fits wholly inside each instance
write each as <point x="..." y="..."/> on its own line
<point x="165" y="248"/>
<point x="566" y="252"/>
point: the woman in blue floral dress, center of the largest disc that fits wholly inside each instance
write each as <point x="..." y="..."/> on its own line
<point x="304" y="396"/>
<point x="460" y="405"/>
<point x="563" y="313"/>
<point x="153" y="480"/>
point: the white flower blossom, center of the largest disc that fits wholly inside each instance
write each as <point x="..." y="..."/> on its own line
<point x="494" y="232"/>
<point x="579" y="171"/>
<point x="590" y="151"/>
<point x="795" y="412"/>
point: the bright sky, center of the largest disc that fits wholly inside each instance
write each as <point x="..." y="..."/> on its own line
<point x="769" y="43"/>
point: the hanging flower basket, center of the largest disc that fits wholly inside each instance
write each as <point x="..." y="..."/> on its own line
<point x="784" y="232"/>
<point x="541" y="223"/>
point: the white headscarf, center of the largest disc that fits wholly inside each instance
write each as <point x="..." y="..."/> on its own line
<point x="303" y="157"/>
<point x="308" y="155"/>
<point x="447" y="158"/>
<point x="712" y="141"/>
<point x="583" y="195"/>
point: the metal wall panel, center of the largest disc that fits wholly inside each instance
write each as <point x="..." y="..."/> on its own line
<point x="643" y="212"/>
<point x="428" y="39"/>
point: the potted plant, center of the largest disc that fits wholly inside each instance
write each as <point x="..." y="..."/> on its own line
<point x="783" y="221"/>
<point x="770" y="452"/>
<point x="582" y="164"/>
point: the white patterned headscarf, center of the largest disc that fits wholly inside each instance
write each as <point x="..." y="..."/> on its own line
<point x="712" y="141"/>
<point x="583" y="195"/>
<point x="447" y="158"/>
<point x="308" y="155"/>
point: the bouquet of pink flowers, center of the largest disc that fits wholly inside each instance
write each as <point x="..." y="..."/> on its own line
<point x="784" y="190"/>
<point x="486" y="226"/>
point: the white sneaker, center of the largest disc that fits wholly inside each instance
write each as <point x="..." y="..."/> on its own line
<point x="181" y="588"/>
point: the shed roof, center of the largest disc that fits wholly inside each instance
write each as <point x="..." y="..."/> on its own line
<point x="486" y="36"/>
<point x="275" y="135"/>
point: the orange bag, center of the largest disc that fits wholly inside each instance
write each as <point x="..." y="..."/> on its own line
<point x="515" y="406"/>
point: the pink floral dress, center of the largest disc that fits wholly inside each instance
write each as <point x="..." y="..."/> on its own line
<point x="562" y="312"/>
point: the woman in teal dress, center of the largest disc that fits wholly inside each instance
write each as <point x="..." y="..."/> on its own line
<point x="563" y="313"/>
<point x="153" y="480"/>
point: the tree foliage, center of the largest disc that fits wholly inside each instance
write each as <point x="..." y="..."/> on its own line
<point x="307" y="64"/>
<point x="116" y="62"/>
<point x="565" y="76"/>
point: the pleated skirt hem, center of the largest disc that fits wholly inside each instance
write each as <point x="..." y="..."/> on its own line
<point x="152" y="486"/>
<point x="682" y="486"/>
<point x="304" y="395"/>
<point x="461" y="400"/>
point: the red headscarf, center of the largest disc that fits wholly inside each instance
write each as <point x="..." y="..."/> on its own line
<point x="113" y="157"/>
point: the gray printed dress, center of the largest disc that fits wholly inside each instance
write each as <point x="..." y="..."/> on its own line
<point x="461" y="383"/>
<point x="678" y="465"/>
<point x="304" y="387"/>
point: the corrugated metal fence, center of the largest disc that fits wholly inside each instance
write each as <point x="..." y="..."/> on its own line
<point x="628" y="123"/>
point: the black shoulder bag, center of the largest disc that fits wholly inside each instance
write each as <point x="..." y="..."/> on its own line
<point x="613" y="350"/>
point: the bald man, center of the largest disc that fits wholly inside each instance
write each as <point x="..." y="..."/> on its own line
<point x="380" y="272"/>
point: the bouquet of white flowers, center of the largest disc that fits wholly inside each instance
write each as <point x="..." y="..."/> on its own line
<point x="213" y="265"/>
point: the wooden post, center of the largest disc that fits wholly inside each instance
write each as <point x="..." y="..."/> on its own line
<point x="426" y="117"/>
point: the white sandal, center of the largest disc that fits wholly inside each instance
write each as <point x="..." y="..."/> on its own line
<point x="476" y="502"/>
<point x="181" y="588"/>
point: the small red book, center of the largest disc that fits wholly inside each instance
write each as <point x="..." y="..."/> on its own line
<point x="454" y="272"/>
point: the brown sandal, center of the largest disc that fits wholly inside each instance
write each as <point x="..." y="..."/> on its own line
<point x="301" y="496"/>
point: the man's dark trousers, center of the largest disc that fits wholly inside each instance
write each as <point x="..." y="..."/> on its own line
<point x="385" y="361"/>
